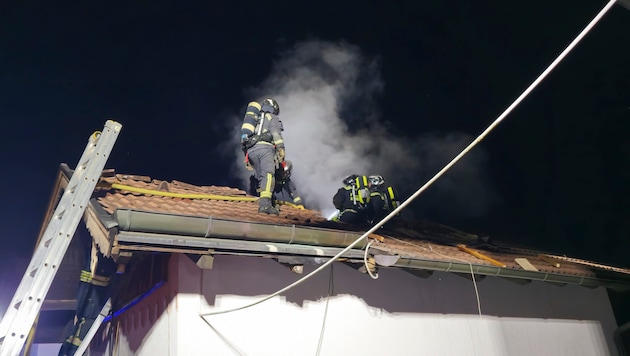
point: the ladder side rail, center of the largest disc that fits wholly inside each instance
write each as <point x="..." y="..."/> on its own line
<point x="37" y="281"/>
<point x="93" y="170"/>
<point x="42" y="249"/>
<point x="50" y="252"/>
<point x="87" y="339"/>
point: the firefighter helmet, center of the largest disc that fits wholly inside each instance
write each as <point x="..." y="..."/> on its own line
<point x="287" y="166"/>
<point x="271" y="106"/>
<point x="350" y="180"/>
<point x="376" y="180"/>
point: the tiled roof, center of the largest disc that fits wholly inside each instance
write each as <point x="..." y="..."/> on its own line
<point x="418" y="240"/>
<point x="235" y="209"/>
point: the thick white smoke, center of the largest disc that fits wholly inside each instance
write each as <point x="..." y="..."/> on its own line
<point x="331" y="129"/>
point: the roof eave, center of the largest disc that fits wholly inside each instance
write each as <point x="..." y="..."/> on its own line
<point x="495" y="271"/>
<point x="136" y="228"/>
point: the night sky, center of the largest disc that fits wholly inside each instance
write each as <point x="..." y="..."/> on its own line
<point x="175" y="76"/>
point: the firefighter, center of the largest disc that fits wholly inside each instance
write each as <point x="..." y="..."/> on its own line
<point x="352" y="200"/>
<point x="285" y="191"/>
<point x="261" y="138"/>
<point x="383" y="199"/>
<point x="95" y="288"/>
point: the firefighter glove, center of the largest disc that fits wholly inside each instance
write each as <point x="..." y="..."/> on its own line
<point x="280" y="151"/>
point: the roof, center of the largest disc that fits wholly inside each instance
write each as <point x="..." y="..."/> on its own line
<point x="130" y="215"/>
<point x="215" y="219"/>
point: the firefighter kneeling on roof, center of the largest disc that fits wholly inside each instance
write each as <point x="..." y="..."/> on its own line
<point x="352" y="200"/>
<point x="285" y="191"/>
<point x="261" y="139"/>
<point x="383" y="200"/>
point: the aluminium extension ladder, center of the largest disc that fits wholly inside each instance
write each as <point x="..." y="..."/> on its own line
<point x="27" y="301"/>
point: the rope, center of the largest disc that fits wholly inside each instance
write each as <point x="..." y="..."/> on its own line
<point x="365" y="261"/>
<point x="437" y="175"/>
<point x="472" y="273"/>
<point x="331" y="291"/>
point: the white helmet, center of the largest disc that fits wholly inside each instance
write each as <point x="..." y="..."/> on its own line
<point x="376" y="180"/>
<point x="270" y="105"/>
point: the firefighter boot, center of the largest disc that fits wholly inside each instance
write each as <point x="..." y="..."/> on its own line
<point x="265" y="206"/>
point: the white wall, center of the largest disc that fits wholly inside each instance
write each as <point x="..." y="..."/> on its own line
<point x="396" y="314"/>
<point x="45" y="349"/>
<point x="147" y="328"/>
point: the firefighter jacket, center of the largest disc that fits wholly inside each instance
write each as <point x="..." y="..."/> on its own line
<point x="382" y="201"/>
<point x="353" y="196"/>
<point x="261" y="128"/>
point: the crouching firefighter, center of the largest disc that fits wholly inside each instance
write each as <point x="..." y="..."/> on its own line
<point x="383" y="200"/>
<point x="352" y="200"/>
<point x="285" y="191"/>
<point x="261" y="139"/>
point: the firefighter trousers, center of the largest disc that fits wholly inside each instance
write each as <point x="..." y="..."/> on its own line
<point x="261" y="157"/>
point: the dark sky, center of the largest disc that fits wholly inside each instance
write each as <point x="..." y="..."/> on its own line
<point x="169" y="73"/>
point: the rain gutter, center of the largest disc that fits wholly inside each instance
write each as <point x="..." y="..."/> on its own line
<point x="172" y="224"/>
<point x="227" y="235"/>
<point x="495" y="271"/>
<point x="153" y="228"/>
<point x="222" y="244"/>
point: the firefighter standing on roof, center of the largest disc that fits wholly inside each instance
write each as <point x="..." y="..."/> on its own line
<point x="261" y="137"/>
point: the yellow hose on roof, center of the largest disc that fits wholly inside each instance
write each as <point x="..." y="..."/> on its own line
<point x="179" y="195"/>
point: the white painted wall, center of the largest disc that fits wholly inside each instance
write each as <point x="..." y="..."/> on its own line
<point x="396" y="314"/>
<point x="147" y="328"/>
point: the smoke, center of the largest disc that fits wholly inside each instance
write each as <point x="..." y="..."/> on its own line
<point x="327" y="94"/>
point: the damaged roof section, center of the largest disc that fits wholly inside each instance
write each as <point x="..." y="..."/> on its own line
<point x="131" y="214"/>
